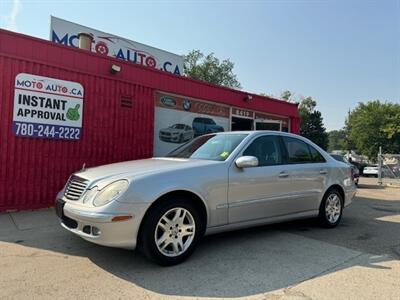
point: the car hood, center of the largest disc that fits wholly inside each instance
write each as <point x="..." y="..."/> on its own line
<point x="131" y="169"/>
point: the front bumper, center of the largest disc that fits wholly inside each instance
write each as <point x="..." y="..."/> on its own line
<point x="82" y="220"/>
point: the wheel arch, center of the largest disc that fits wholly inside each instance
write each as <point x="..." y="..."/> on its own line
<point x="198" y="201"/>
<point x="339" y="188"/>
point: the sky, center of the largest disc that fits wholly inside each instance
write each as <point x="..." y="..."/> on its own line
<point x="338" y="52"/>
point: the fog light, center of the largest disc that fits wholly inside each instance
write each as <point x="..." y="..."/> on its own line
<point x="86" y="229"/>
<point x="96" y="231"/>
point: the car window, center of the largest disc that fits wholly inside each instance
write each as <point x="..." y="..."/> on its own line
<point x="315" y="155"/>
<point x="266" y="149"/>
<point x="178" y="126"/>
<point x="297" y="150"/>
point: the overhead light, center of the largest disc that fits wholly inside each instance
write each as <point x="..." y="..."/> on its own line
<point x="115" y="69"/>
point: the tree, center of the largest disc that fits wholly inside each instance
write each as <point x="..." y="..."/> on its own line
<point x="375" y="124"/>
<point x="336" y="140"/>
<point x="209" y="68"/>
<point x="286" y="95"/>
<point x="307" y="105"/>
<point x="311" y="123"/>
<point x="348" y="143"/>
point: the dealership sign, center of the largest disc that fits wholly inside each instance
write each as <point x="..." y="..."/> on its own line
<point x="66" y="33"/>
<point x="47" y="107"/>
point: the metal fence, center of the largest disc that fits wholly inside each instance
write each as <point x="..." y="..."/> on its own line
<point x="388" y="168"/>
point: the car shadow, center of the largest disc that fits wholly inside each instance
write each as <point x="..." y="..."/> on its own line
<point x="246" y="262"/>
<point x="370" y="186"/>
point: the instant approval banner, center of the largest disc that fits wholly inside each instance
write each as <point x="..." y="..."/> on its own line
<point x="47" y="108"/>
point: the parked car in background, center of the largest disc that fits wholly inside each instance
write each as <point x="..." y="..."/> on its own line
<point x="343" y="159"/>
<point x="177" y="133"/>
<point x="214" y="183"/>
<point x="371" y="171"/>
<point x="387" y="171"/>
<point x="202" y="125"/>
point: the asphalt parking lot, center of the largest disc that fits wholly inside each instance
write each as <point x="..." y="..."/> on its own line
<point x="298" y="260"/>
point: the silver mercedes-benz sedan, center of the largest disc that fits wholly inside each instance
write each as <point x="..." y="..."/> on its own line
<point x="214" y="183"/>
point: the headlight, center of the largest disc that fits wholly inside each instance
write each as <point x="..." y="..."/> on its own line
<point x="110" y="192"/>
<point x="89" y="195"/>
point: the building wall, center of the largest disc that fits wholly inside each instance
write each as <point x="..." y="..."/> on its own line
<point x="33" y="170"/>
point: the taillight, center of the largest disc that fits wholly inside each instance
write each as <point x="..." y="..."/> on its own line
<point x="352" y="174"/>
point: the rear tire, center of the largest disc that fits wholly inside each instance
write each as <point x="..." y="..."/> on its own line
<point x="171" y="231"/>
<point x="331" y="209"/>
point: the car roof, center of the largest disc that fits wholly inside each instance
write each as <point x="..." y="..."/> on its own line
<point x="260" y="132"/>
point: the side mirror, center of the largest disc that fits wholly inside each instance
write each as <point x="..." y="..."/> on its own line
<point x="246" y="162"/>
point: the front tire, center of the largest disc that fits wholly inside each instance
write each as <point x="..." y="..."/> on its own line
<point x="171" y="231"/>
<point x="331" y="209"/>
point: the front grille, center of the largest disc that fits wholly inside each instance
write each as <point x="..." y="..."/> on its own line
<point x="75" y="188"/>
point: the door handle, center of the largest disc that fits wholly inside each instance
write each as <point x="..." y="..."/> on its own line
<point x="323" y="172"/>
<point x="283" y="175"/>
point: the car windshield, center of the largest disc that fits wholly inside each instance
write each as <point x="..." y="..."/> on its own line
<point x="212" y="147"/>
<point x="178" y="126"/>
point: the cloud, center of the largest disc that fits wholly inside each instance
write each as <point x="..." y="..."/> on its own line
<point x="11" y="19"/>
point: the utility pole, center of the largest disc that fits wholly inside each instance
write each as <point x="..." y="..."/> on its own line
<point x="380" y="166"/>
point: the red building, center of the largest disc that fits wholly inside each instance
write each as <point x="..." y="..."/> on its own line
<point x="121" y="115"/>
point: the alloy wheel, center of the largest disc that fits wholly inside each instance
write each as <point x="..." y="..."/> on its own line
<point x="175" y="232"/>
<point x="333" y="208"/>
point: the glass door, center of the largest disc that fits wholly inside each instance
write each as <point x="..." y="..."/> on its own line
<point x="268" y="125"/>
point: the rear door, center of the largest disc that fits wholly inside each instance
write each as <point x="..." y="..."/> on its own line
<point x="308" y="171"/>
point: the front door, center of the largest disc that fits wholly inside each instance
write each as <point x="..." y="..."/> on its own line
<point x="242" y="124"/>
<point x="259" y="192"/>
